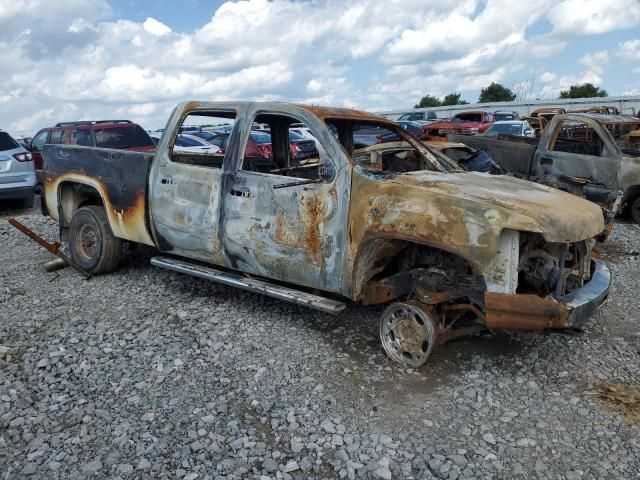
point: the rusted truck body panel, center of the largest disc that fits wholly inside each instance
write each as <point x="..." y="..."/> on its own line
<point x="73" y="174"/>
<point x="461" y="243"/>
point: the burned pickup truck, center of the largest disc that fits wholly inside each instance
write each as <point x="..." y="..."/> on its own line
<point x="448" y="252"/>
<point x="584" y="154"/>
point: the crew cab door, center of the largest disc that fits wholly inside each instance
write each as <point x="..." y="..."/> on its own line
<point x="185" y="190"/>
<point x="577" y="147"/>
<point x="285" y="215"/>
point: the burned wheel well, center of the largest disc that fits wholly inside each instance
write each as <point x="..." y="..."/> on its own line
<point x="389" y="268"/>
<point x="72" y="196"/>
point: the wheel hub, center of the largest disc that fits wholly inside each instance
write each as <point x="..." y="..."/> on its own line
<point x="408" y="333"/>
<point x="87" y="242"/>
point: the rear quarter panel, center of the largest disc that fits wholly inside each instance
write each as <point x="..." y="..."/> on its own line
<point x="119" y="177"/>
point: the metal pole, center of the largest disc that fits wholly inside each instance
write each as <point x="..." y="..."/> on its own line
<point x="51" y="247"/>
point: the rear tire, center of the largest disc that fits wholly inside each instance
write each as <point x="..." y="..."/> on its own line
<point x="93" y="246"/>
<point x="634" y="210"/>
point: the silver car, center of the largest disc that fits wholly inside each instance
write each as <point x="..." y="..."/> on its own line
<point x="17" y="171"/>
<point x="518" y="128"/>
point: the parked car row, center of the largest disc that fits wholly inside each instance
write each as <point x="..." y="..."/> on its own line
<point x="478" y="122"/>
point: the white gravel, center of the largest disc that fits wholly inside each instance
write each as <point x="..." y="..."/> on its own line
<point x="149" y="374"/>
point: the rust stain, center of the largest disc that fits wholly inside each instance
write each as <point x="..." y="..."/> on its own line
<point x="623" y="398"/>
<point x="523" y="312"/>
<point x="285" y="232"/>
<point x="312" y="214"/>
<point x="306" y="236"/>
<point x="324" y="113"/>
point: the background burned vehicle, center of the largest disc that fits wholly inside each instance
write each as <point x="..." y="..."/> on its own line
<point x="449" y="252"/>
<point x="458" y="154"/>
<point x="584" y="154"/>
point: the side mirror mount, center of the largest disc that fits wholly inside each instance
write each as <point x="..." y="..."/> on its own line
<point x="326" y="171"/>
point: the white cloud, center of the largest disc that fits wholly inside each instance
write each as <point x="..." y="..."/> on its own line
<point x="364" y="53"/>
<point x="593" y="16"/>
<point x="546" y="46"/>
<point x="548" y="77"/>
<point x="629" y="51"/>
<point x="155" y="27"/>
<point x="563" y="83"/>
<point x="596" y="61"/>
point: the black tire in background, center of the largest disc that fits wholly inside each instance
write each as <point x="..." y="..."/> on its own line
<point x="93" y="247"/>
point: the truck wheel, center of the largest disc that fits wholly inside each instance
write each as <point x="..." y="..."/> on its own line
<point x="408" y="333"/>
<point x="634" y="209"/>
<point x="93" y="246"/>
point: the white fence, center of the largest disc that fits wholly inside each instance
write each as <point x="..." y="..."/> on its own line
<point x="629" y="105"/>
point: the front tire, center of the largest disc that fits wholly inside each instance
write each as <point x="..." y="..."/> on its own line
<point x="408" y="333"/>
<point x="93" y="246"/>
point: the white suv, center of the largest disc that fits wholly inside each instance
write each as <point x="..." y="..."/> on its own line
<point x="17" y="171"/>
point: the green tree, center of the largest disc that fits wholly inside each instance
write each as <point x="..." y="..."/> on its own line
<point x="428" y="101"/>
<point x="453" y="99"/>
<point x="496" y="93"/>
<point x="586" y="90"/>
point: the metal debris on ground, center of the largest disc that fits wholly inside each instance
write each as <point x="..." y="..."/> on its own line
<point x="51" y="247"/>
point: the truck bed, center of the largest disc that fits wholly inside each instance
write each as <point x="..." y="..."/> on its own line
<point x="119" y="177"/>
<point x="515" y="154"/>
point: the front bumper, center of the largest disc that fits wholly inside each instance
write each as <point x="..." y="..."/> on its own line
<point x="505" y="311"/>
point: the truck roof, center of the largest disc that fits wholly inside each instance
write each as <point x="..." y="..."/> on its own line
<point x="604" y="118"/>
<point x="346" y="113"/>
<point x="319" y="111"/>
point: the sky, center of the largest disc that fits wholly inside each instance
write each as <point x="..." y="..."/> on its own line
<point x="94" y="59"/>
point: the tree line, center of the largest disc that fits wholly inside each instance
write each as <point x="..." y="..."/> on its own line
<point x="499" y="93"/>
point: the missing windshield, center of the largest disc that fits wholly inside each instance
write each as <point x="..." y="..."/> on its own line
<point x="386" y="149"/>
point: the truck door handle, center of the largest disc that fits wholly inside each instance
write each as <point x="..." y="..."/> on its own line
<point x="166" y="181"/>
<point x="241" y="192"/>
<point x="546" y="161"/>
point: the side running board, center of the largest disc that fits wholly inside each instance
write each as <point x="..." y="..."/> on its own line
<point x="251" y="284"/>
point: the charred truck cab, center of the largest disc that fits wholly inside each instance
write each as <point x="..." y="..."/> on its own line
<point x="448" y="252"/>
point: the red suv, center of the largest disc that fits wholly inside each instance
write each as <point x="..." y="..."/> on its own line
<point x="465" y="123"/>
<point x="118" y="134"/>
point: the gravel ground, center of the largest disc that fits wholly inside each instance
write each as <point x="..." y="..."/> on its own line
<point x="146" y="373"/>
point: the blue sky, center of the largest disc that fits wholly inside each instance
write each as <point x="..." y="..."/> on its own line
<point x="82" y="59"/>
<point x="181" y="15"/>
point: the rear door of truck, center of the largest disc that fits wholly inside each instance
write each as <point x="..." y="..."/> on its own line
<point x="186" y="188"/>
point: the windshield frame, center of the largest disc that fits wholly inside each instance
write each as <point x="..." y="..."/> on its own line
<point x="439" y="161"/>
